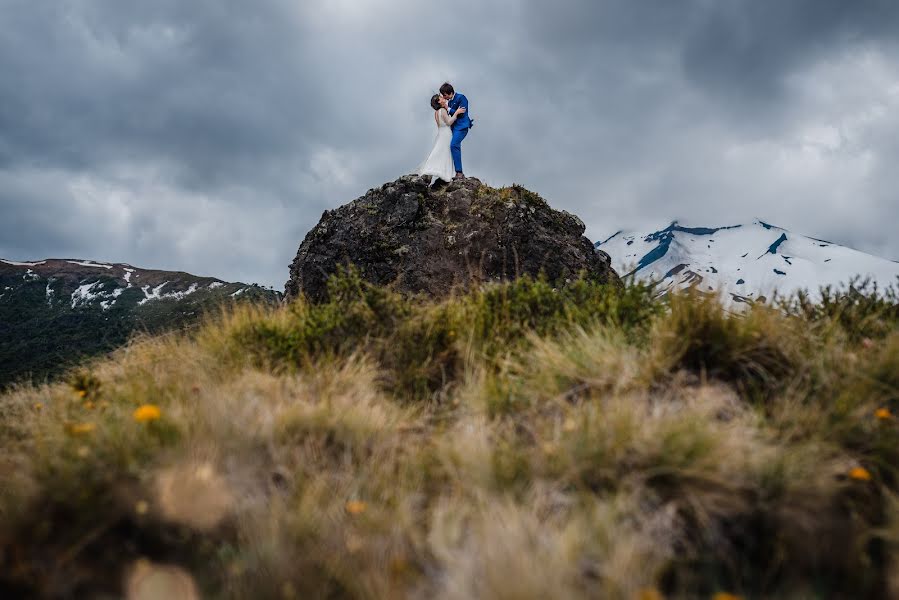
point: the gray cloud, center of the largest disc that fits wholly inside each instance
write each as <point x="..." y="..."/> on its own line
<point x="208" y="136"/>
<point x="747" y="48"/>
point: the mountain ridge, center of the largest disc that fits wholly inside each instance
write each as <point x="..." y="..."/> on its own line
<point x="56" y="312"/>
<point x="747" y="262"/>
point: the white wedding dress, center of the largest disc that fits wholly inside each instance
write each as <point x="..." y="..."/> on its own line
<point x="439" y="162"/>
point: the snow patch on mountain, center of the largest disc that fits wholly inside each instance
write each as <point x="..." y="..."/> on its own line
<point x="156" y="293"/>
<point x="105" y="304"/>
<point x="744" y="262"/>
<point x="22" y="264"/>
<point x="83" y="294"/>
<point x="89" y="263"/>
<point x="90" y="292"/>
<point x="179" y="295"/>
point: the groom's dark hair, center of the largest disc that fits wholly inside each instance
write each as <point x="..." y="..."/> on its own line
<point x="435" y="101"/>
<point x="446" y="88"/>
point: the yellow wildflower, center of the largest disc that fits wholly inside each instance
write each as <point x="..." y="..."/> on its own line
<point x="82" y="393"/>
<point x="80" y="428"/>
<point x="860" y="474"/>
<point x="356" y="507"/>
<point x="147" y="412"/>
<point x="649" y="594"/>
<point x="883" y="414"/>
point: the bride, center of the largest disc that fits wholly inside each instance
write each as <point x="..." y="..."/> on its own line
<point x="439" y="162"/>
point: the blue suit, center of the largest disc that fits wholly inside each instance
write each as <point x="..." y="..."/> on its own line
<point x="460" y="129"/>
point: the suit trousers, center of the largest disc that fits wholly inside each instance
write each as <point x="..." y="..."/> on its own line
<point x="456" y="147"/>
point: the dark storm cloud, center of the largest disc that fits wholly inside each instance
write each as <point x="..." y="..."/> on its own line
<point x="744" y="49"/>
<point x="209" y="135"/>
<point x="89" y="82"/>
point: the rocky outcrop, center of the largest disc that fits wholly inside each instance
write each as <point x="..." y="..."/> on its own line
<point x="433" y="239"/>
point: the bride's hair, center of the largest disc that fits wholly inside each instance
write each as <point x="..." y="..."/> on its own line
<point x="435" y="102"/>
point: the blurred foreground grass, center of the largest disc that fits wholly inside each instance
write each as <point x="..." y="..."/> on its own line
<point x="516" y="442"/>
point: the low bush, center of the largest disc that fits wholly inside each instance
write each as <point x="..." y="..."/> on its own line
<point x="861" y="309"/>
<point x="759" y="351"/>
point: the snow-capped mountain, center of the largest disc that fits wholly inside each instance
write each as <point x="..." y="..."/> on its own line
<point x="85" y="283"/>
<point x="744" y="262"/>
<point x="54" y="312"/>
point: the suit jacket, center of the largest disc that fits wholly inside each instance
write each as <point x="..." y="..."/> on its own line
<point x="465" y="121"/>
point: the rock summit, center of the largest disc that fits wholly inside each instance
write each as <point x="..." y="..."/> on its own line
<point x="434" y="239"/>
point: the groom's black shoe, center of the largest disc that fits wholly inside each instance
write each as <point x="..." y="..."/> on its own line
<point x="459" y="175"/>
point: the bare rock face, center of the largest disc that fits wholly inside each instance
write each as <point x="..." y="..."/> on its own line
<point x="435" y="239"/>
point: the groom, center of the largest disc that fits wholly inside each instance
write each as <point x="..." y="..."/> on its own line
<point x="460" y="127"/>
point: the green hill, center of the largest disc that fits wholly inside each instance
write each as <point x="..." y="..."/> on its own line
<point x="55" y="313"/>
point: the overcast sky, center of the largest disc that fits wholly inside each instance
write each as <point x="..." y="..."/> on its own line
<point x="209" y="135"/>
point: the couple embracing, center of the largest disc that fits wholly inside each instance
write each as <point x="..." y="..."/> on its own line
<point x="453" y="123"/>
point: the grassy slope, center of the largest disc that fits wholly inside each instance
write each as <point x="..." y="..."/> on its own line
<point x="517" y="442"/>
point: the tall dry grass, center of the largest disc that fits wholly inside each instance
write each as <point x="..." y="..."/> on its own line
<point x="516" y="442"/>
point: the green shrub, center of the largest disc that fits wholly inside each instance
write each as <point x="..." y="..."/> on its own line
<point x="354" y="315"/>
<point x="504" y="315"/>
<point x="759" y="351"/>
<point x="420" y="343"/>
<point x="863" y="310"/>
